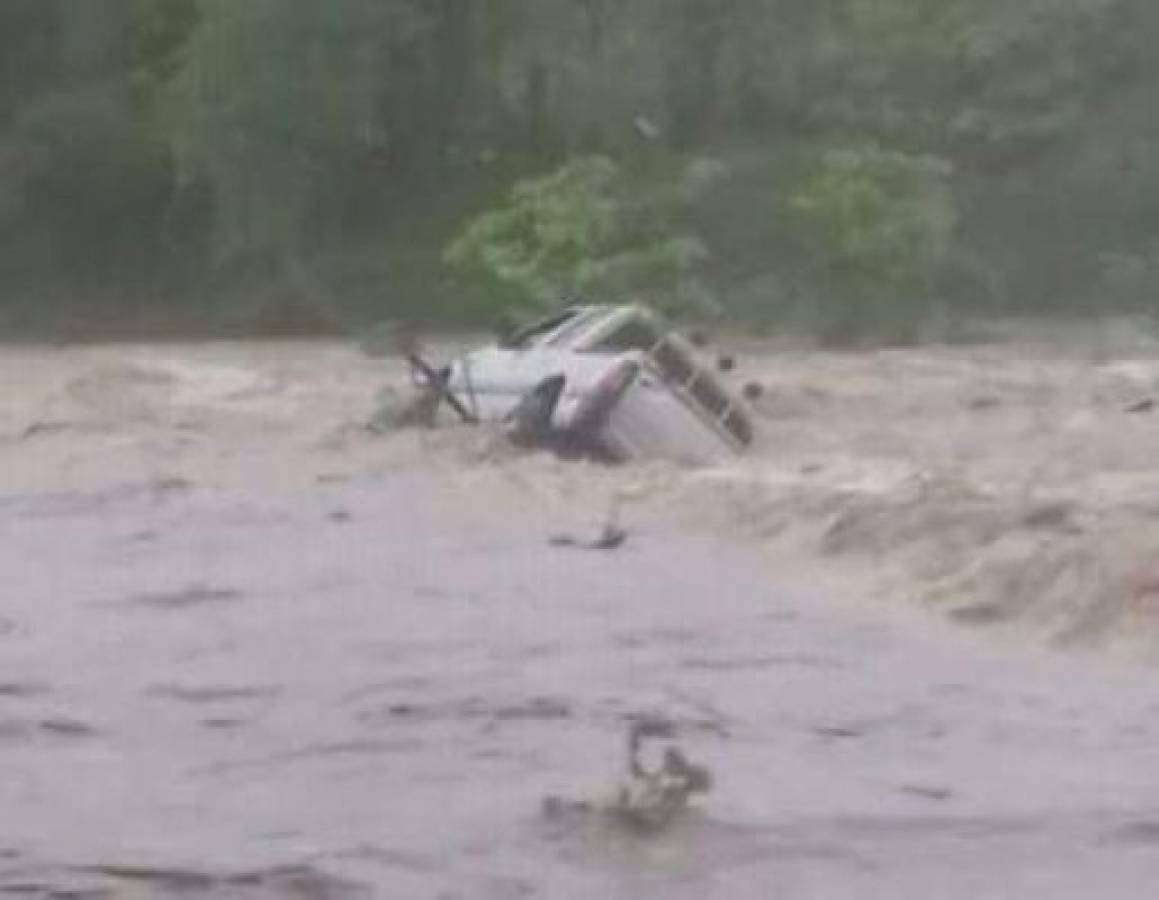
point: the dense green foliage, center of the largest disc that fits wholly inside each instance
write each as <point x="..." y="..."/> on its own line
<point x="582" y="231"/>
<point x="850" y="166"/>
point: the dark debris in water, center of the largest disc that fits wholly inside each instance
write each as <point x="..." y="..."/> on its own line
<point x="532" y="709"/>
<point x="611" y="538"/>
<point x="57" y="726"/>
<point x="839" y="732"/>
<point x="171" y="879"/>
<point x="1141" y="833"/>
<point x="211" y="694"/>
<point x="223" y="723"/>
<point x="981" y="614"/>
<point x="927" y="792"/>
<point x="362" y="747"/>
<point x="45" y="891"/>
<point x="612" y="535"/>
<point x="111" y="880"/>
<point x="1056" y="516"/>
<point x="67" y="727"/>
<point x="187" y="597"/>
<point x="44" y="427"/>
<point x="649" y="798"/>
<point x="767" y="661"/>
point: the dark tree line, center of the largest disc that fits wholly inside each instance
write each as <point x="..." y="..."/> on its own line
<point x="297" y="163"/>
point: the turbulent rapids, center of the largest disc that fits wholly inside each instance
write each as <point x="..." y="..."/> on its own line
<point x="252" y="648"/>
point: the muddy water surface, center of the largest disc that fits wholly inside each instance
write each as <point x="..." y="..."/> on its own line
<point x="247" y="651"/>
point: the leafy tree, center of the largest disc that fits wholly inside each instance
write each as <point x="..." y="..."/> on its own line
<point x="86" y="179"/>
<point x="276" y="104"/>
<point x="157" y="147"/>
<point x="582" y="232"/>
<point x="883" y="222"/>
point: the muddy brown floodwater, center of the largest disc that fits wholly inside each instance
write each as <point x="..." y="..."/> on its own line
<point x="248" y="650"/>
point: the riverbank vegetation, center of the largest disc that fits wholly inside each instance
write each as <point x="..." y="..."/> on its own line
<point x="859" y="169"/>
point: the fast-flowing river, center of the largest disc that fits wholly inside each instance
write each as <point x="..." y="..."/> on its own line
<point x="248" y="653"/>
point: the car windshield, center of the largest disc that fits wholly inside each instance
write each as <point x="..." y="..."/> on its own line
<point x="526" y="337"/>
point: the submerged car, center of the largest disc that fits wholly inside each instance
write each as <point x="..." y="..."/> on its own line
<point x="614" y="382"/>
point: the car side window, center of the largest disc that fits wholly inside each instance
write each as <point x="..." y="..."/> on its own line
<point x="524" y="337"/>
<point x="635" y="334"/>
<point x="675" y="365"/>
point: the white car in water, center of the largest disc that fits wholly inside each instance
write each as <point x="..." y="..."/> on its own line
<point x="608" y="381"/>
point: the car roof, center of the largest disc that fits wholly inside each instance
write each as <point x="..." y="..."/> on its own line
<point x="572" y="324"/>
